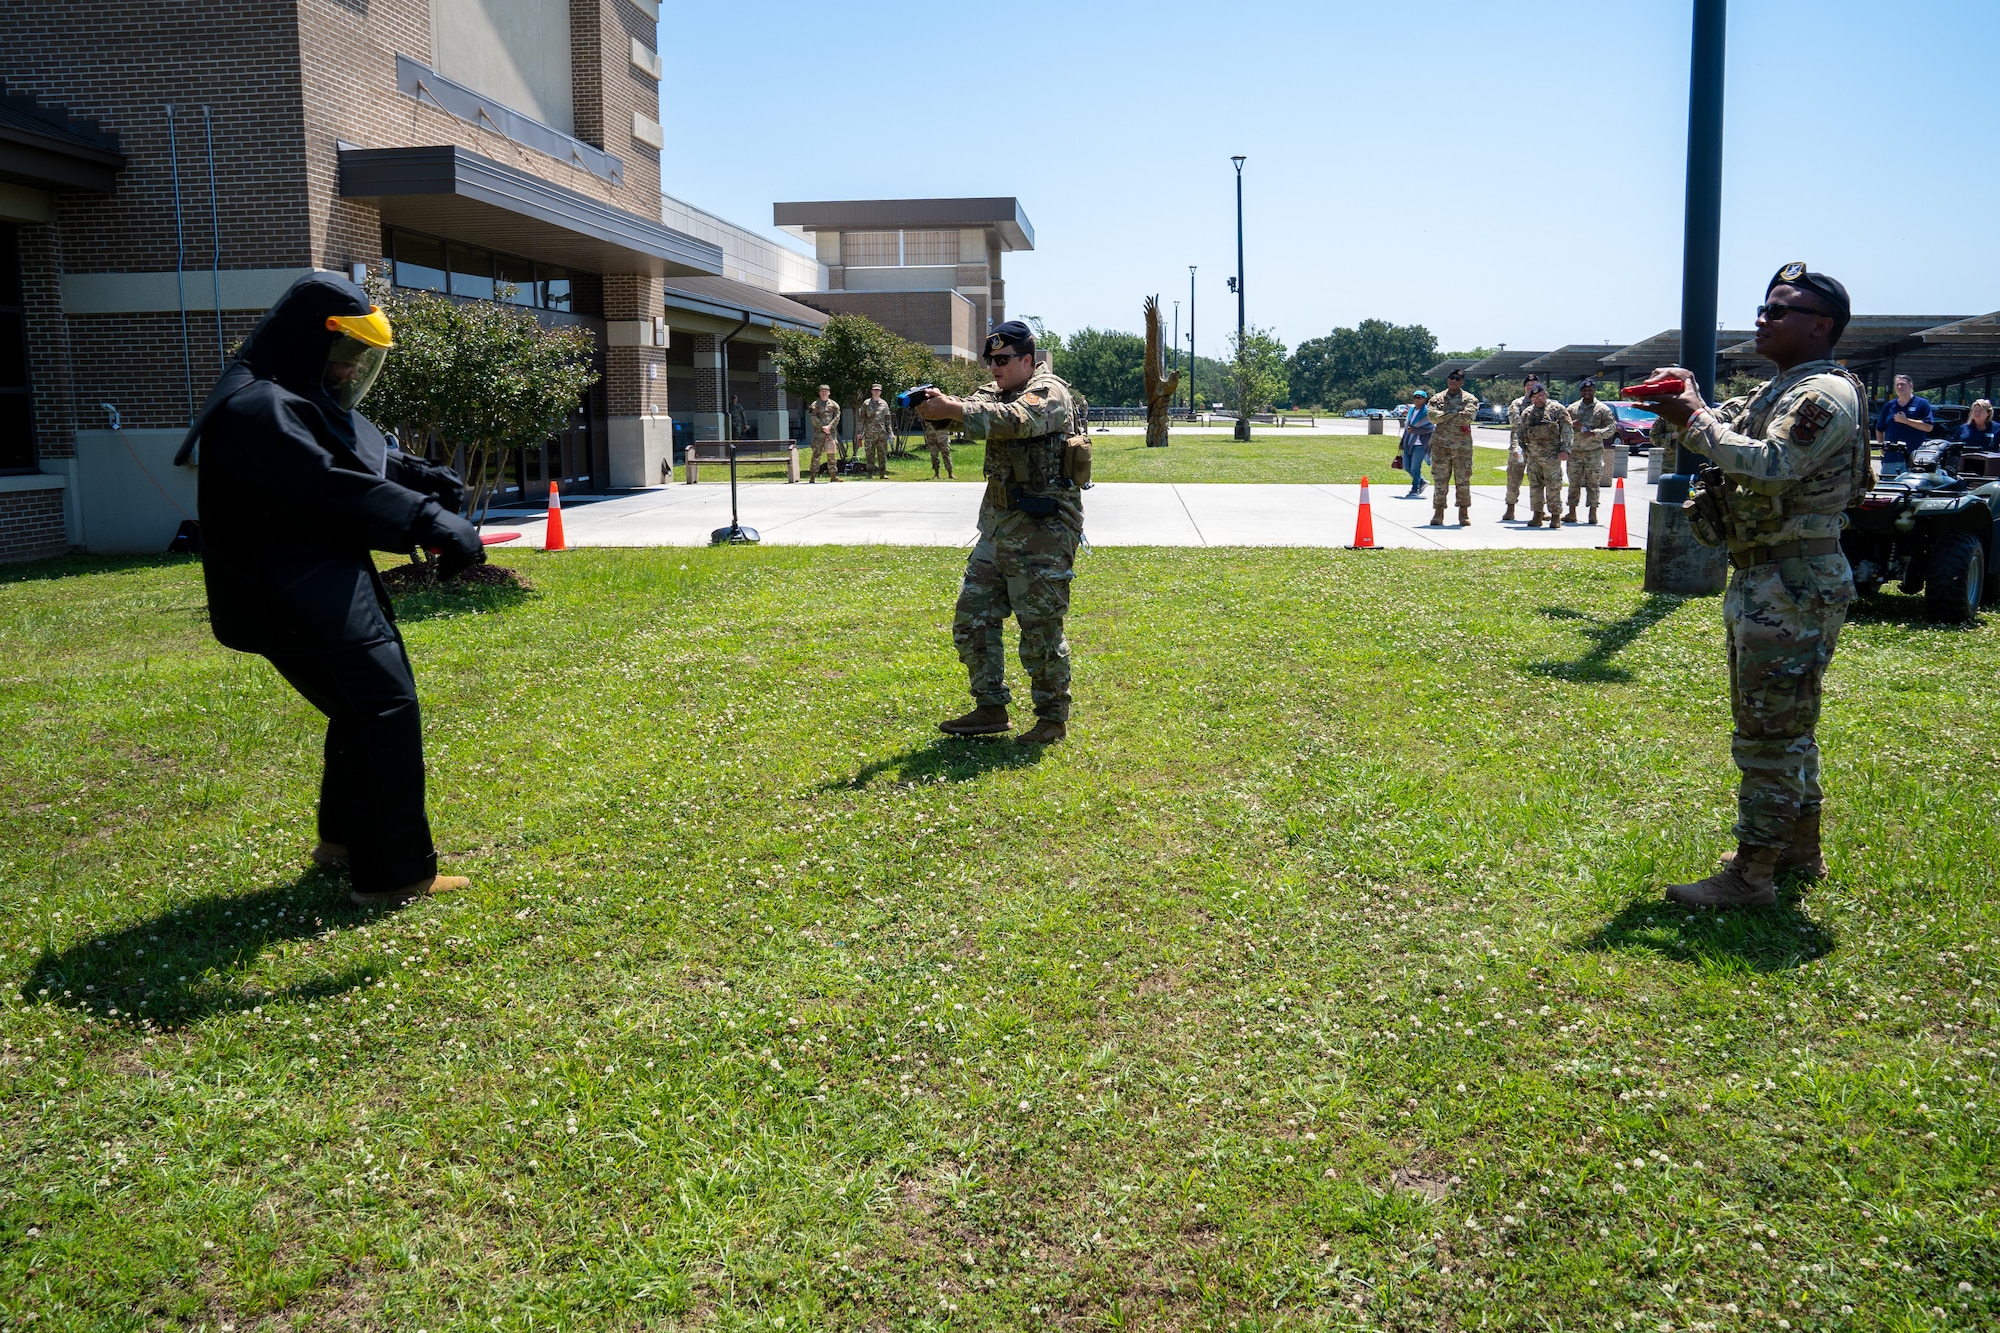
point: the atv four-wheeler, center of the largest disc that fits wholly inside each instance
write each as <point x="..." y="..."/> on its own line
<point x="1931" y="529"/>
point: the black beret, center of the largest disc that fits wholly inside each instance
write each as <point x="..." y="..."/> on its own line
<point x="1456" y="375"/>
<point x="1013" y="334"/>
<point x="1587" y="382"/>
<point x="1831" y="290"/>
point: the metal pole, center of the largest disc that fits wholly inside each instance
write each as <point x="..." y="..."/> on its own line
<point x="1701" y="259"/>
<point x="1243" y="403"/>
<point x="180" y="263"/>
<point x="1194" y="363"/>
<point x="215" y="230"/>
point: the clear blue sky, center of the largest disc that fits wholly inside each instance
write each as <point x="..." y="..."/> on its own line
<point x="1512" y="174"/>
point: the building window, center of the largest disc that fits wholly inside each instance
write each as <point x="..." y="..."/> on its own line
<point x="870" y="249"/>
<point x="17" y="408"/>
<point x="425" y="263"/>
<point x="930" y="247"/>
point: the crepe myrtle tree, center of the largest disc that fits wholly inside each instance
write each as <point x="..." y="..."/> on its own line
<point x="468" y="381"/>
<point x="1256" y="371"/>
<point x="852" y="352"/>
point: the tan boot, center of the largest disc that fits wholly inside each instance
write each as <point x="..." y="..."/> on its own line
<point x="1536" y="521"/>
<point x="1570" y="517"/>
<point x="985" y="720"/>
<point x="330" y="855"/>
<point x="1465" y="518"/>
<point x="1437" y="517"/>
<point x="1554" y="522"/>
<point x="1508" y="517"/>
<point x="1745" y="880"/>
<point x="1802" y="856"/>
<point x="423" y="888"/>
<point x="1593" y="516"/>
<point x="1046" y="731"/>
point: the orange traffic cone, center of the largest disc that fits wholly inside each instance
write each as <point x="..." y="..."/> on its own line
<point x="1364" y="524"/>
<point x="1619" y="541"/>
<point x="552" y="537"/>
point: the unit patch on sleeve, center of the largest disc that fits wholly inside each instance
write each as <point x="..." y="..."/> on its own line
<point x="1809" y="420"/>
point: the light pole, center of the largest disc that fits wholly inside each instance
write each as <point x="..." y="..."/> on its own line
<point x="1242" y="378"/>
<point x="1193" y="363"/>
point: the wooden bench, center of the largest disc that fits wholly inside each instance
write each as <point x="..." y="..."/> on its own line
<point x="1298" y="419"/>
<point x="747" y="451"/>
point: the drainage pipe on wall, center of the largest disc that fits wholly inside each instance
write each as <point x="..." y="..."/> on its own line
<point x="728" y="429"/>
<point x="215" y="231"/>
<point x="180" y="263"/>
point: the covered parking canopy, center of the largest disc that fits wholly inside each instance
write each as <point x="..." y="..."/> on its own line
<point x="1951" y="355"/>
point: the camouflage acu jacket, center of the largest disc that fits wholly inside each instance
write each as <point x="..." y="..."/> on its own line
<point x="871" y="419"/>
<point x="1453" y="415"/>
<point x="1797" y="451"/>
<point x="825" y="414"/>
<point x="1596" y="424"/>
<point x="1024" y="432"/>
<point x="1544" y="429"/>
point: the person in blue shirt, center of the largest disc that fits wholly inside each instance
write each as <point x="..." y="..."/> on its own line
<point x="1417" y="432"/>
<point x="1979" y="435"/>
<point x="1904" y="421"/>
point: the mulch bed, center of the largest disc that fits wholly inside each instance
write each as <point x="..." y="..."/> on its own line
<point x="419" y="578"/>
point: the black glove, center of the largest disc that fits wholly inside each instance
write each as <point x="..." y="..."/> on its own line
<point x="454" y="541"/>
<point x="427" y="478"/>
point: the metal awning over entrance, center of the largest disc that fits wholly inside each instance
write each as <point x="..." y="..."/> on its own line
<point x="448" y="191"/>
<point x="727" y="299"/>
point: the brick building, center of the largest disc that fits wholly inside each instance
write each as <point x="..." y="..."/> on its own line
<point x="928" y="269"/>
<point x="167" y="170"/>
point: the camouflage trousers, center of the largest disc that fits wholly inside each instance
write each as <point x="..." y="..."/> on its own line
<point x="1026" y="570"/>
<point x="1783" y="620"/>
<point x="825" y="450"/>
<point x="940" y="452"/>
<point x="1586" y="473"/>
<point x="1449" y="461"/>
<point x="877" y="447"/>
<point x="1517" y="467"/>
<point x="1545" y="483"/>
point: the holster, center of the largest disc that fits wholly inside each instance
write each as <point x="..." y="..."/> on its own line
<point x="1707" y="506"/>
<point x="1034" y="506"/>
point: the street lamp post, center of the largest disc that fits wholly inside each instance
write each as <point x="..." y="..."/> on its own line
<point x="1242" y="381"/>
<point x="1193" y="363"/>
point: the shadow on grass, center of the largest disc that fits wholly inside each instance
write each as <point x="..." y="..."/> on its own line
<point x="1774" y="939"/>
<point x="946" y="759"/>
<point x="417" y="600"/>
<point x="1884" y="608"/>
<point x="178" y="968"/>
<point x="74" y="566"/>
<point x="1608" y="639"/>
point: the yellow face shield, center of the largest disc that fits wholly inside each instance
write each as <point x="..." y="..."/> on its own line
<point x="352" y="367"/>
<point x="371" y="328"/>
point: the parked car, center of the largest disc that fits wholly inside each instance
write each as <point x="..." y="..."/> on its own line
<point x="1377" y="413"/>
<point x="1355" y="412"/>
<point x="1493" y="414"/>
<point x="1635" y="426"/>
<point x="1401" y="412"/>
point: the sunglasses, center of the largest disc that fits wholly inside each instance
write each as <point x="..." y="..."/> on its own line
<point x="1778" y="310"/>
<point x="1002" y="358"/>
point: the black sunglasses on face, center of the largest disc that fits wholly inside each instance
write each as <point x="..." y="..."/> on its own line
<point x="1778" y="310"/>
<point x="1002" y="358"/>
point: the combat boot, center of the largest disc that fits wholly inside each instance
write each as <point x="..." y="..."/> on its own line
<point x="1593" y="516"/>
<point x="1437" y="517"/>
<point x="1745" y="880"/>
<point x="985" y="720"/>
<point x="1534" y="522"/>
<point x="1570" y="517"/>
<point x="1802" y="855"/>
<point x="1554" y="522"/>
<point x="330" y="855"/>
<point x="409" y="893"/>
<point x="1046" y="731"/>
<point x="1508" y="517"/>
<point x="1465" y="518"/>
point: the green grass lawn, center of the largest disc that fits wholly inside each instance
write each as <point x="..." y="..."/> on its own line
<point x="1320" y="980"/>
<point x="1270" y="455"/>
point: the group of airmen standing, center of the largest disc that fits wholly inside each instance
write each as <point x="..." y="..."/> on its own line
<point x="1543" y="435"/>
<point x="874" y="427"/>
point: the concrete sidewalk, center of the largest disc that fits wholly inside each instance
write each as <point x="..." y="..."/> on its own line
<point x="874" y="513"/>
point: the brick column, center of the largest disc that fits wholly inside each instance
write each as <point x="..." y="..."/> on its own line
<point x="710" y="405"/>
<point x="639" y="433"/>
<point x="54" y="398"/>
<point x="773" y="422"/>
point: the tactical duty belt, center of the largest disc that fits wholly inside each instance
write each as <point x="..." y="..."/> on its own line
<point x="1764" y="555"/>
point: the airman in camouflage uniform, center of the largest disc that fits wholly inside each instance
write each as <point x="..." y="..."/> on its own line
<point x="825" y="416"/>
<point x="1544" y="433"/>
<point x="937" y="439"/>
<point x="1030" y="523"/>
<point x="1594" y="429"/>
<point x="1786" y="462"/>
<point x="1452" y="412"/>
<point x="1517" y="452"/>
<point x="871" y="426"/>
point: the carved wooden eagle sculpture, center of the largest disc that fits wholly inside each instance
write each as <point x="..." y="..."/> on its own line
<point x="1160" y="386"/>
